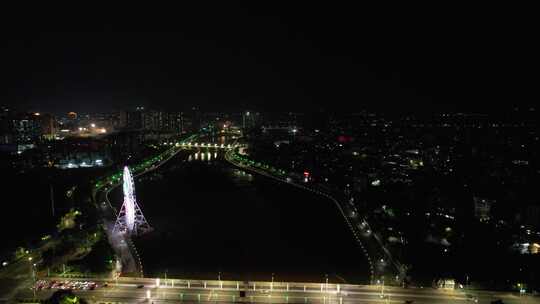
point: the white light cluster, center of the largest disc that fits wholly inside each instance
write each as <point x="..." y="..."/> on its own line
<point x="129" y="199"/>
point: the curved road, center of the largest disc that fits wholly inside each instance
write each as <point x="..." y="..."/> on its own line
<point x="349" y="214"/>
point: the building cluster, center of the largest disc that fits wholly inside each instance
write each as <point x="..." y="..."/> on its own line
<point x="80" y="140"/>
<point x="424" y="183"/>
<point x="153" y="121"/>
<point x="23" y="130"/>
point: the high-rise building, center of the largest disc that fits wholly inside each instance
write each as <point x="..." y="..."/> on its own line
<point x="48" y="125"/>
<point x="27" y="129"/>
<point x="175" y="122"/>
<point x="195" y="118"/>
<point x="249" y="119"/>
<point x="6" y="134"/>
<point x="152" y="120"/>
<point x="132" y="120"/>
<point x="482" y="208"/>
<point x="19" y="131"/>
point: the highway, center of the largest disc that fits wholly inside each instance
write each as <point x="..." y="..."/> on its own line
<point x="127" y="291"/>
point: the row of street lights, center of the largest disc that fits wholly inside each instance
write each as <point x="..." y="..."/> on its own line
<point x="324" y="286"/>
<point x="221" y="283"/>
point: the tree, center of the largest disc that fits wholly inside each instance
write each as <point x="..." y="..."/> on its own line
<point x="19" y="253"/>
<point x="65" y="297"/>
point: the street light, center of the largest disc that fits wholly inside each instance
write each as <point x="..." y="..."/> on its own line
<point x="33" y="266"/>
<point x="326" y="275"/>
<point x="34" y="271"/>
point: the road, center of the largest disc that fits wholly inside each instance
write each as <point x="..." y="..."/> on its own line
<point x="126" y="291"/>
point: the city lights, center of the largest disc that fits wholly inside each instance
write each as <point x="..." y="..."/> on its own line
<point x="313" y="154"/>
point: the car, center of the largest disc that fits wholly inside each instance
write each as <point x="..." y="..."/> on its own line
<point x="140" y="286"/>
<point x="470" y="297"/>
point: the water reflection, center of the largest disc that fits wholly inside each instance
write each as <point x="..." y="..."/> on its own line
<point x="203" y="156"/>
<point x="242" y="176"/>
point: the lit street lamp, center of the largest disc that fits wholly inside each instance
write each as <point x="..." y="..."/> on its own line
<point x="34" y="272"/>
<point x="382" y="288"/>
<point x="326" y="275"/>
<point x="34" y="278"/>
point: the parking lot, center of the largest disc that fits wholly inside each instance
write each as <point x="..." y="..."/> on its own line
<point x="66" y="285"/>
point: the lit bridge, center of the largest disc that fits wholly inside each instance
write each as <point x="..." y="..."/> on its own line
<point x="189" y="145"/>
<point x="167" y="290"/>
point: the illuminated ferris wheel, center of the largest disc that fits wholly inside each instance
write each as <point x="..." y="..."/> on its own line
<point x="130" y="219"/>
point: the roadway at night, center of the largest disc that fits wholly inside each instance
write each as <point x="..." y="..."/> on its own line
<point x="132" y="290"/>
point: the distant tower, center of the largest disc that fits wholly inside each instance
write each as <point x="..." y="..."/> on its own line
<point x="130" y="218"/>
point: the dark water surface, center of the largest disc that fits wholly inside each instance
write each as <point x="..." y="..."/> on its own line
<point x="210" y="217"/>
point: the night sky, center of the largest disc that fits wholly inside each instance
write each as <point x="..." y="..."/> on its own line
<point x="269" y="59"/>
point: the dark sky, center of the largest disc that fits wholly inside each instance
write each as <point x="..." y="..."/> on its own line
<point x="270" y="59"/>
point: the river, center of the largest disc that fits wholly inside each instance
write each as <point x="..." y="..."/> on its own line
<point x="209" y="217"/>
